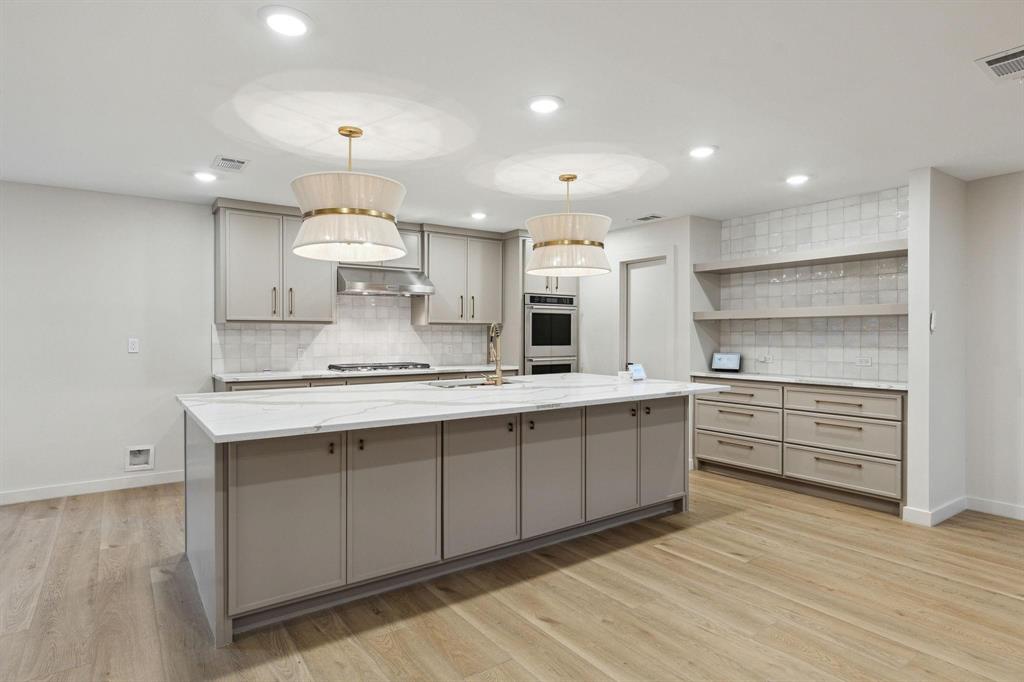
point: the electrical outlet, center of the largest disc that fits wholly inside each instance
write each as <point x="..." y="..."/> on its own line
<point x="766" y="358"/>
<point x="863" y="361"/>
<point x="133" y="344"/>
<point x="139" y="458"/>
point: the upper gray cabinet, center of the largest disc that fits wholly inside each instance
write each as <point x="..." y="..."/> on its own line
<point x="535" y="284"/>
<point x="466" y="272"/>
<point x="260" y="279"/>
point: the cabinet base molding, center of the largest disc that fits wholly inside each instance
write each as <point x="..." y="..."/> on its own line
<point x="865" y="501"/>
<point x="334" y="598"/>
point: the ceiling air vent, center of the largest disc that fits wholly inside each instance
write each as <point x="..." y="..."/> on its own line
<point x="226" y="163"/>
<point x="648" y="218"/>
<point x="1006" y="65"/>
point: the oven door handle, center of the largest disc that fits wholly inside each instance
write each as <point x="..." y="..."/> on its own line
<point x="566" y="308"/>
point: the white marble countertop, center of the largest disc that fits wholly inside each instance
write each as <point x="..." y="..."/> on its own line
<point x="251" y="415"/>
<point x="814" y="381"/>
<point x="299" y="375"/>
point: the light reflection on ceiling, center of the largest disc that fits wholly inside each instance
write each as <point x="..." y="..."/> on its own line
<point x="535" y="174"/>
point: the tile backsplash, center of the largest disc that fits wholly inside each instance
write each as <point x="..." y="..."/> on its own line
<point x="872" y="348"/>
<point x="366" y="329"/>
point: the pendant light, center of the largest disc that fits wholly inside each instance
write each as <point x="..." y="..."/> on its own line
<point x="568" y="244"/>
<point x="348" y="216"/>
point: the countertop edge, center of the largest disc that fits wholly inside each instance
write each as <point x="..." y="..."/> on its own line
<point x="809" y="381"/>
<point x="299" y="375"/>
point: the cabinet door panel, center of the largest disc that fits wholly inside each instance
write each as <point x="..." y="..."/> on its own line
<point x="309" y="285"/>
<point x="285" y="519"/>
<point x="565" y="285"/>
<point x="411" y="260"/>
<point x="481" y="484"/>
<point x="533" y="284"/>
<point x="253" y="262"/>
<point x="612" y="459"/>
<point x="447" y="270"/>
<point x="394" y="499"/>
<point x="483" y="275"/>
<point x="552" y="471"/>
<point x="663" y="465"/>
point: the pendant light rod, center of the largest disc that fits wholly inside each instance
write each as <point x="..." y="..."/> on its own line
<point x="567" y="178"/>
<point x="350" y="132"/>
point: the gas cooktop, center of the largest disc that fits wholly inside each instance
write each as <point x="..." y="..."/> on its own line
<point x="378" y="366"/>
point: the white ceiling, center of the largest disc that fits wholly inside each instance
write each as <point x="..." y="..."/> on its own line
<point x="132" y="97"/>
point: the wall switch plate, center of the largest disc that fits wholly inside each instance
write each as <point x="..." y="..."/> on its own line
<point x="133" y="344"/>
<point x="863" y="361"/>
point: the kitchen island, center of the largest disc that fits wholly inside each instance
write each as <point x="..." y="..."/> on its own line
<point x="300" y="499"/>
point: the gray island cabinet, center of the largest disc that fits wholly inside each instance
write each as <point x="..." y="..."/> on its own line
<point x="306" y="498"/>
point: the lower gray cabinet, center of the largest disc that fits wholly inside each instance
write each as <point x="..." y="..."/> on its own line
<point x="663" y="465"/>
<point x="612" y="459"/>
<point x="285" y="519"/>
<point x="480" y="483"/>
<point x="552" y="463"/>
<point x="393" y="487"/>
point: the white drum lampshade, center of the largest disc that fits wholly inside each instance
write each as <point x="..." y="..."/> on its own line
<point x="348" y="217"/>
<point x="568" y="245"/>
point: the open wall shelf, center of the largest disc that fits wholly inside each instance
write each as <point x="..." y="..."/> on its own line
<point x="887" y="249"/>
<point x="872" y="310"/>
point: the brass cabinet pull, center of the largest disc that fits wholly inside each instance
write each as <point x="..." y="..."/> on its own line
<point x="461" y="308"/>
<point x="647" y="410"/>
<point x="632" y="412"/>
<point x="360" y="443"/>
<point x="838" y="402"/>
<point x="751" y="395"/>
<point x="745" y="446"/>
<point x="291" y="301"/>
<point x="273" y="301"/>
<point x="531" y="425"/>
<point x="742" y="414"/>
<point x="511" y="427"/>
<point x="472" y="307"/>
<point x="839" y="461"/>
<point x="840" y="426"/>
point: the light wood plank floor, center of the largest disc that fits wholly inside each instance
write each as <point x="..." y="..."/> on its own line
<point x="753" y="583"/>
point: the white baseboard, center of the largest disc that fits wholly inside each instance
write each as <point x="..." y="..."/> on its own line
<point x="83" y="487"/>
<point x="923" y="517"/>
<point x="1007" y="509"/>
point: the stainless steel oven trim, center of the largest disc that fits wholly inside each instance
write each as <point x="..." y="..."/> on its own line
<point x="532" y="351"/>
<point x="573" y="366"/>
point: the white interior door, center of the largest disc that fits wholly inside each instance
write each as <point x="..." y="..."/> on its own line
<point x="648" y="322"/>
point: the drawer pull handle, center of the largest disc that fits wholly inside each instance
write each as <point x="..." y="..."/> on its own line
<point x="840" y="426"/>
<point x="736" y="445"/>
<point x="750" y="395"/>
<point x="839" y="402"/>
<point x="839" y="461"/>
<point x="742" y="414"/>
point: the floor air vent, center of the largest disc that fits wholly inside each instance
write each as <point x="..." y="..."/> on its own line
<point x="226" y="163"/>
<point x="1006" y="65"/>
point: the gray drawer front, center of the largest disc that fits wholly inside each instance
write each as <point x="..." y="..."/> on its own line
<point x="852" y="472"/>
<point x="745" y="452"/>
<point x="877" y="405"/>
<point x="765" y="395"/>
<point x="862" y="436"/>
<point x="743" y="420"/>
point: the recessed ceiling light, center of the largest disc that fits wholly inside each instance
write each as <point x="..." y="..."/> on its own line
<point x="703" y="152"/>
<point x="478" y="215"/>
<point x="285" y="20"/>
<point x="546" y="104"/>
<point x="203" y="176"/>
<point x="796" y="180"/>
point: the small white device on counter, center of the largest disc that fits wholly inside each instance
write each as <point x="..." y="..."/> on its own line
<point x="636" y="371"/>
<point x="725" y="362"/>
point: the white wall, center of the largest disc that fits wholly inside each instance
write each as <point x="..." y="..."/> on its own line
<point x="937" y="372"/>
<point x="995" y="345"/>
<point x="80" y="272"/>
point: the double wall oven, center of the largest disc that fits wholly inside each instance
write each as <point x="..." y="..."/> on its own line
<point x="550" y="333"/>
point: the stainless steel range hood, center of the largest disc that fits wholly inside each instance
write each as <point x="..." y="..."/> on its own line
<point x="382" y="282"/>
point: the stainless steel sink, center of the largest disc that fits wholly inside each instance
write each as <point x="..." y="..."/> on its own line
<point x="476" y="382"/>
